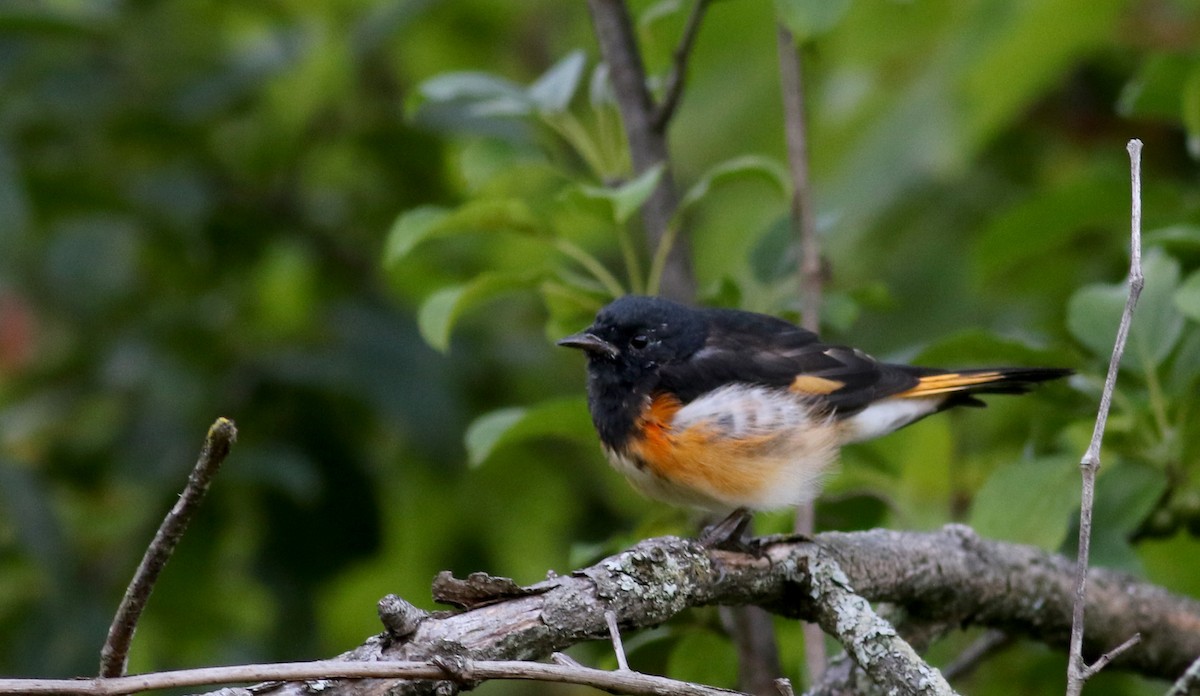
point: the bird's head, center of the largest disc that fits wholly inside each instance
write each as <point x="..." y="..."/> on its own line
<point x="634" y="336"/>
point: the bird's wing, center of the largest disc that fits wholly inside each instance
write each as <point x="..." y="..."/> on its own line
<point x="752" y="349"/>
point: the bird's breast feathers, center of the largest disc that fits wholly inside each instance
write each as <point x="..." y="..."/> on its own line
<point x="741" y="445"/>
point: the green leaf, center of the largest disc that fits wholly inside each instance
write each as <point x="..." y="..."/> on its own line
<point x="482" y="94"/>
<point x="552" y="92"/>
<point x="600" y="93"/>
<point x="484" y="215"/>
<point x="1190" y="111"/>
<point x="564" y="417"/>
<point x="1037" y="228"/>
<point x="1030" y="502"/>
<point x="657" y="12"/>
<point x="808" y="19"/>
<point x="1126" y="494"/>
<point x="410" y="229"/>
<point x="570" y="307"/>
<point x="441" y="310"/>
<point x="1094" y="312"/>
<point x="737" y="168"/>
<point x="1155" y="91"/>
<point x="979" y="347"/>
<point x="1175" y="238"/>
<point x="1187" y="297"/>
<point x="704" y="657"/>
<point x="625" y="200"/>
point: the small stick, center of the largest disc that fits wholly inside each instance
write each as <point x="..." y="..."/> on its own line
<point x="1188" y="682"/>
<point x="1078" y="671"/>
<point x="616" y="682"/>
<point x="674" y="89"/>
<point x="610" y="617"/>
<point x="115" y="654"/>
<point x="791" y="83"/>
<point x="990" y="643"/>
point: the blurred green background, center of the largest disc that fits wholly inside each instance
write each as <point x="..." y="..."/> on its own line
<point x="271" y="211"/>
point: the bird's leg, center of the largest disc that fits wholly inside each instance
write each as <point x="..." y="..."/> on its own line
<point x="728" y="534"/>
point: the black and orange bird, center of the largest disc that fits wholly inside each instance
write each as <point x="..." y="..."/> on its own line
<point x="731" y="410"/>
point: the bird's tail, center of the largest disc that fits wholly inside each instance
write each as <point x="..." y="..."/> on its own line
<point x="994" y="380"/>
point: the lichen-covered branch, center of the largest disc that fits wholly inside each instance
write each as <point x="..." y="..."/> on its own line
<point x="951" y="575"/>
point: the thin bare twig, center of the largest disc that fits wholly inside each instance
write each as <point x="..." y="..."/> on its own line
<point x="804" y="221"/>
<point x="1079" y="671"/>
<point x="752" y="632"/>
<point x="614" y="632"/>
<point x="791" y="83"/>
<point x="674" y="87"/>
<point x="625" y="682"/>
<point x="1188" y="682"/>
<point x="990" y="643"/>
<point x="115" y="653"/>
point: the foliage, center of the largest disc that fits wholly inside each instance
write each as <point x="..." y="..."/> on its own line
<point x="273" y="212"/>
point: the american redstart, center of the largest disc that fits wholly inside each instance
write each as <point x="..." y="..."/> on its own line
<point x="724" y="409"/>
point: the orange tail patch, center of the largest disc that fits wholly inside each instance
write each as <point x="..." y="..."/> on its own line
<point x="950" y="382"/>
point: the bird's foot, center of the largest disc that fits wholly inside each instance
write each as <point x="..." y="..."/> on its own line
<point x="730" y="533"/>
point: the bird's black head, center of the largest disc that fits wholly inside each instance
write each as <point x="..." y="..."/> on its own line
<point x="634" y="336"/>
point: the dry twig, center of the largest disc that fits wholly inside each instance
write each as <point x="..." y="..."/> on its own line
<point x="1188" y="683"/>
<point x="791" y="82"/>
<point x="614" y="632"/>
<point x="115" y="653"/>
<point x="625" y="682"/>
<point x="678" y="75"/>
<point x="1078" y="671"/>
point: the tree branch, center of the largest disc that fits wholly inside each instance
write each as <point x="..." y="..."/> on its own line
<point x="455" y="671"/>
<point x="951" y="575"/>
<point x="804" y="221"/>
<point x="674" y="87"/>
<point x="647" y="144"/>
<point x="115" y="653"/>
<point x="1079" y="671"/>
<point x="795" y="123"/>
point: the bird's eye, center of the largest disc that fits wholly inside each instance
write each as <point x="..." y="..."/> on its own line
<point x="639" y="342"/>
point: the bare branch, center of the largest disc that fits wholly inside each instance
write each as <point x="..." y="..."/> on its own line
<point x="625" y="682"/>
<point x="1189" y="683"/>
<point x="1077" y="670"/>
<point x="674" y="87"/>
<point x="985" y="646"/>
<point x="791" y="79"/>
<point x="791" y="83"/>
<point x="614" y="632"/>
<point x="753" y="634"/>
<point x="115" y="653"/>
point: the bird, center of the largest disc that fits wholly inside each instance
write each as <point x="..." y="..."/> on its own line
<point x="732" y="411"/>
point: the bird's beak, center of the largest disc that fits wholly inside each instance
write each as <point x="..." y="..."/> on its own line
<point x="590" y="343"/>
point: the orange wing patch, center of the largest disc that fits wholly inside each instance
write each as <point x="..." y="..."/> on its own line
<point x="809" y="384"/>
<point x="949" y="383"/>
